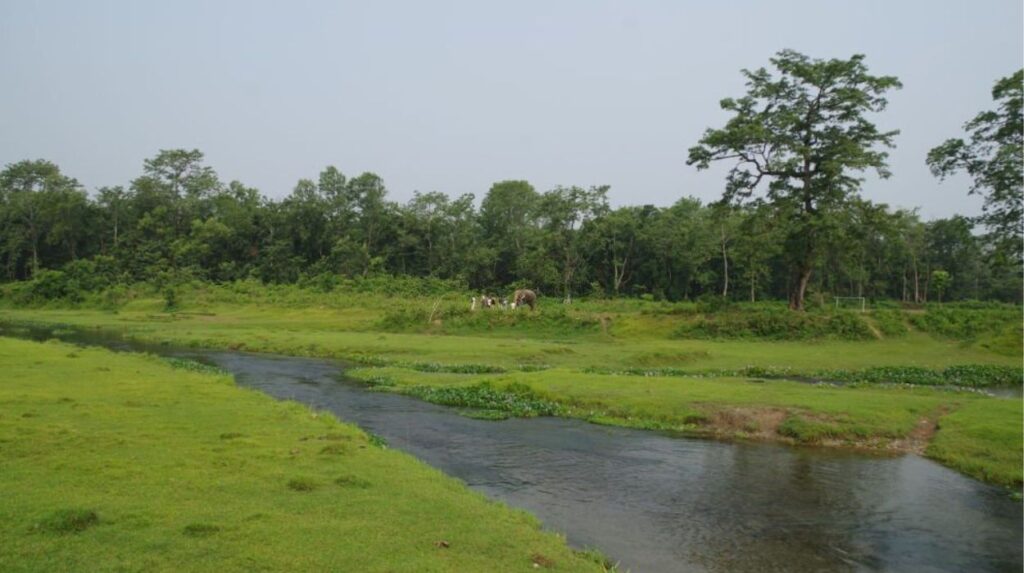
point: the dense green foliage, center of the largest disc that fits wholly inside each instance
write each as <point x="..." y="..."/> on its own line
<point x="806" y="132"/>
<point x="514" y="399"/>
<point x="169" y="230"/>
<point x="994" y="158"/>
<point x="778" y="324"/>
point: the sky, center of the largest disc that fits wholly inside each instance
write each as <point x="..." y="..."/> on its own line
<point x="453" y="96"/>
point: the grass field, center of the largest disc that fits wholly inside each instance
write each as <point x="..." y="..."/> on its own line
<point x="113" y="462"/>
<point x="576" y="361"/>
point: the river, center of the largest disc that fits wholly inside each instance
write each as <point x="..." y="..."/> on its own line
<point x="658" y="503"/>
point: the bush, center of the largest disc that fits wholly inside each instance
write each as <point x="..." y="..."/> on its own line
<point x="890" y="322"/>
<point x="777" y="324"/>
<point x="966" y="322"/>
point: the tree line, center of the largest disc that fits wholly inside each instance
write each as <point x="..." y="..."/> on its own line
<point x="790" y="224"/>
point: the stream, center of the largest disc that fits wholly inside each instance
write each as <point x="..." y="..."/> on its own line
<point x="658" y="503"/>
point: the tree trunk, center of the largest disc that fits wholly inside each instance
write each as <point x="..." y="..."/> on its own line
<point x="796" y="301"/>
<point x="35" y="257"/>
<point x="917" y="285"/>
<point x="725" y="266"/>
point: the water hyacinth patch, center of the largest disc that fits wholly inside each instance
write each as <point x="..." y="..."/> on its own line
<point x="194" y="366"/>
<point x="967" y="375"/>
<point x="517" y="399"/>
<point x="456" y="368"/>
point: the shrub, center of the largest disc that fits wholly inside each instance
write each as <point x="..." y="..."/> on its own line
<point x="776" y="324"/>
<point x="965" y="322"/>
<point x="170" y="299"/>
<point x="890" y="322"/>
<point x="352" y="481"/>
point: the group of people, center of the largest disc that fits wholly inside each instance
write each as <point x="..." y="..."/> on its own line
<point x="519" y="298"/>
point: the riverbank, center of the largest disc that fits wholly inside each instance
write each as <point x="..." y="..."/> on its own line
<point x="129" y="462"/>
<point x="720" y="388"/>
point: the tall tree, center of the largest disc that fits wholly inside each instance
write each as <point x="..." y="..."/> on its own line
<point x="563" y="211"/>
<point x="40" y="203"/>
<point x="507" y="216"/>
<point x="994" y="158"/>
<point x="806" y="131"/>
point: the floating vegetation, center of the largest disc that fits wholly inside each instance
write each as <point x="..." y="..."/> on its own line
<point x="517" y="399"/>
<point x="194" y="366"/>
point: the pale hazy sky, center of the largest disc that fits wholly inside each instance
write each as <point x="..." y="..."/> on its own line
<point x="452" y="96"/>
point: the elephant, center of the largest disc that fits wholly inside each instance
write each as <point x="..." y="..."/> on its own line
<point x="524" y="296"/>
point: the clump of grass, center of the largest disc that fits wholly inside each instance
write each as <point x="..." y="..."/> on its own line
<point x="457" y="368"/>
<point x="890" y="322"/>
<point x="379" y="381"/>
<point x="65" y="521"/>
<point x="376" y="441"/>
<point x="804" y="430"/>
<point x="302" y="484"/>
<point x="542" y="561"/>
<point x="352" y="482"/>
<point x="334" y="450"/>
<point x="969" y="375"/>
<point x="194" y="366"/>
<point x="493" y="415"/>
<point x="532" y="367"/>
<point x="230" y="435"/>
<point x="200" y="530"/>
<point x="517" y="399"/>
<point x="595" y="556"/>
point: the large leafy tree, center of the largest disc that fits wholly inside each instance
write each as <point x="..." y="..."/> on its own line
<point x="40" y="206"/>
<point x="508" y="216"/>
<point x="806" y="132"/>
<point x="993" y="158"/>
<point x="563" y="211"/>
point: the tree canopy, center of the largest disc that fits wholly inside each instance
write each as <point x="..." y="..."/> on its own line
<point x="806" y="131"/>
<point x="993" y="156"/>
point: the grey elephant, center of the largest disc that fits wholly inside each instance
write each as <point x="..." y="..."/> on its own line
<point x="524" y="296"/>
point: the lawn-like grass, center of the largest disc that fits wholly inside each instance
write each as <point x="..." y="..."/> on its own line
<point x="613" y="335"/>
<point x="343" y="333"/>
<point x="114" y="462"/>
<point x="983" y="439"/>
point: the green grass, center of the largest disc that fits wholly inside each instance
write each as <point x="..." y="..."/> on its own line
<point x="114" y="462"/>
<point x="577" y="357"/>
<point x="641" y="340"/>
<point x="982" y="439"/>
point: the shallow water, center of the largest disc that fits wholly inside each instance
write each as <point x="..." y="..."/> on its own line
<point x="661" y="503"/>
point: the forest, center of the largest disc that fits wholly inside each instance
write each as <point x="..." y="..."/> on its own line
<point x="179" y="221"/>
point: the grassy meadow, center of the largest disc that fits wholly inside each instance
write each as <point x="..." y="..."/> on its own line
<point x="114" y="462"/>
<point x="699" y="368"/>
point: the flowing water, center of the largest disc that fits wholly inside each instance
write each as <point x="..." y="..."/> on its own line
<point x="661" y="503"/>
